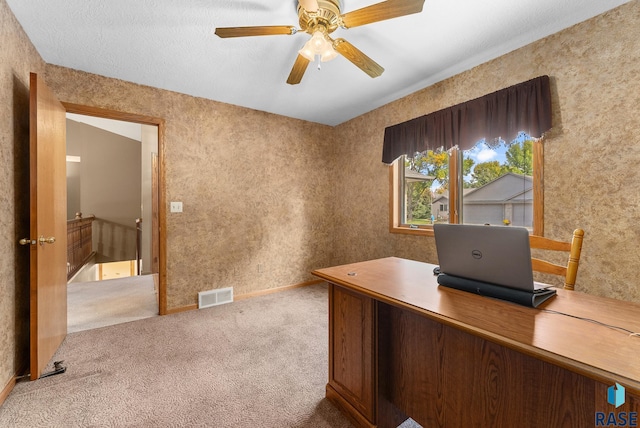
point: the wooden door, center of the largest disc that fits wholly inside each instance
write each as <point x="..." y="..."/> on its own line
<point x="48" y="221"/>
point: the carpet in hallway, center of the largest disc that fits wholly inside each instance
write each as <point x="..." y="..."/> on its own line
<point x="102" y="303"/>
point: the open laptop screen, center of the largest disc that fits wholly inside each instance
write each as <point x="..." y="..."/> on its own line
<point x="498" y="255"/>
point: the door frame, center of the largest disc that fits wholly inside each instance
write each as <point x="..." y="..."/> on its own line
<point x="162" y="218"/>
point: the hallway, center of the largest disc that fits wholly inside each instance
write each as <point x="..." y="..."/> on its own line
<point x="113" y="301"/>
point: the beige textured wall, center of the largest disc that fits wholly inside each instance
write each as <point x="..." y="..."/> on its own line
<point x="258" y="210"/>
<point x="591" y="173"/>
<point x="17" y="58"/>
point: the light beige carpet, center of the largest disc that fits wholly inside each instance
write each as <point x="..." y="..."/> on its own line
<point x="108" y="302"/>
<point x="259" y="362"/>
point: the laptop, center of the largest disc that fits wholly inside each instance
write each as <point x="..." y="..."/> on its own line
<point x="498" y="255"/>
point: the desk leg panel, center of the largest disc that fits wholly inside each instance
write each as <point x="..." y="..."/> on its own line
<point x="347" y="409"/>
<point x="445" y="377"/>
<point x="352" y="364"/>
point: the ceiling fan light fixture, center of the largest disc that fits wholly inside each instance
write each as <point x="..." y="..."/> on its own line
<point x="318" y="42"/>
<point x="328" y="54"/>
<point x="318" y="45"/>
<point x="307" y="52"/>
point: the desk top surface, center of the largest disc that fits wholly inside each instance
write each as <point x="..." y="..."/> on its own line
<point x="570" y="330"/>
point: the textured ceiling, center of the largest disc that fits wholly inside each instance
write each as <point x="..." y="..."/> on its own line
<point x="170" y="44"/>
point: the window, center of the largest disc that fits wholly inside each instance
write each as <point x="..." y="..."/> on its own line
<point x="505" y="112"/>
<point x="493" y="182"/>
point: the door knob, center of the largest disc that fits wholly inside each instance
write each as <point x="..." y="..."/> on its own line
<point x="44" y="240"/>
<point x="27" y="241"/>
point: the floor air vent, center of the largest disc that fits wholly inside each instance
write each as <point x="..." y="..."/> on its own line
<point x="219" y="296"/>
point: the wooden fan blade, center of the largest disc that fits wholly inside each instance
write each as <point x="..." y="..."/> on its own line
<point x="299" y="67"/>
<point x="381" y="11"/>
<point x="309" y="5"/>
<point x="272" y="30"/>
<point x="359" y="59"/>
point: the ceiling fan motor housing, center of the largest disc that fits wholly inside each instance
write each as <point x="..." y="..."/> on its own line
<point x="327" y="17"/>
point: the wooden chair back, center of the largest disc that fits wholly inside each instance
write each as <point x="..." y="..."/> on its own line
<point x="573" y="248"/>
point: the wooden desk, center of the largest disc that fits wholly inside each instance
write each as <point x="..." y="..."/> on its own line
<point x="401" y="346"/>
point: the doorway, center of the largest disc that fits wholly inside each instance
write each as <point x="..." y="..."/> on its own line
<point x="125" y="278"/>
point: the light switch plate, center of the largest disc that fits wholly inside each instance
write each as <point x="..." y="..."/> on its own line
<point x="176" y="207"/>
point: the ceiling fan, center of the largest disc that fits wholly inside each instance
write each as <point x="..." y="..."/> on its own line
<point x="321" y="18"/>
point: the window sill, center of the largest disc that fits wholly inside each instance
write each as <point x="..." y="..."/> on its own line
<point x="405" y="230"/>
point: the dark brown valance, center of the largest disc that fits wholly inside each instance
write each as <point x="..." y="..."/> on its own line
<point x="502" y="114"/>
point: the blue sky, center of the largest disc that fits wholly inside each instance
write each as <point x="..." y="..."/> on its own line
<point x="481" y="152"/>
